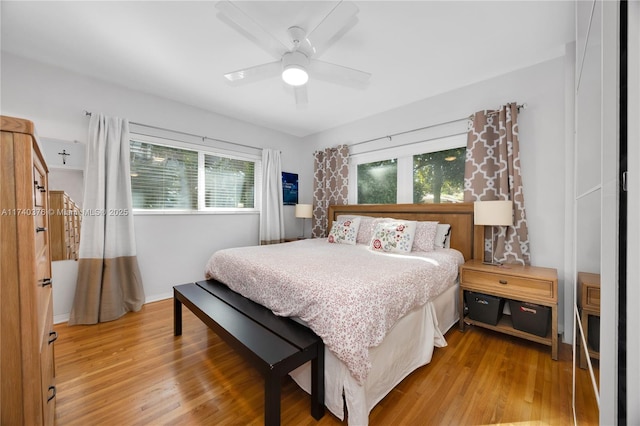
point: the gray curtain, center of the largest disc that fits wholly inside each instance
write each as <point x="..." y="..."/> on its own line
<point x="109" y="283"/>
<point x="271" y="212"/>
<point x="330" y="185"/>
<point x="492" y="172"/>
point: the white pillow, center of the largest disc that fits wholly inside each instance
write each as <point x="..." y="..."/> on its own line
<point x="344" y="231"/>
<point x="443" y="236"/>
<point x="393" y="236"/>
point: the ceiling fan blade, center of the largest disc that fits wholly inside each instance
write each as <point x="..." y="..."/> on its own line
<point x="253" y="74"/>
<point x="333" y="26"/>
<point x="247" y="26"/>
<point x="300" y="93"/>
<point x="338" y="74"/>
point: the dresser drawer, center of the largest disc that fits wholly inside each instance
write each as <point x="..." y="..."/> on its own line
<point x="39" y="184"/>
<point x="511" y="285"/>
<point x="41" y="233"/>
<point x="43" y="264"/>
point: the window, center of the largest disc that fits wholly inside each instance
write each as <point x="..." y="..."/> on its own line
<point x="424" y="172"/>
<point x="163" y="178"/>
<point x="172" y="178"/>
<point x="228" y="182"/>
<point x="438" y="177"/>
<point x="378" y="182"/>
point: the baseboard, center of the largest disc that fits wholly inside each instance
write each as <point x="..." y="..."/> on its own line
<point x="158" y="297"/>
<point x="57" y="319"/>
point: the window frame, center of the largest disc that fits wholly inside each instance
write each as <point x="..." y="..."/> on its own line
<point x="404" y="158"/>
<point x="203" y="150"/>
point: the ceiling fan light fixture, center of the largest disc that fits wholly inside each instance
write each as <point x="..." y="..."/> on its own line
<point x="294" y="68"/>
<point x="295" y="76"/>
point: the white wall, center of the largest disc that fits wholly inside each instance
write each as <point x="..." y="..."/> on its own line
<point x="172" y="249"/>
<point x="542" y="145"/>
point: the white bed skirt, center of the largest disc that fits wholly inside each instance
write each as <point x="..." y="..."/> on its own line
<point x="407" y="346"/>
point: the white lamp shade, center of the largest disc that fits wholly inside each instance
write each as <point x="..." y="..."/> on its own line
<point x="304" y="211"/>
<point x="494" y="213"/>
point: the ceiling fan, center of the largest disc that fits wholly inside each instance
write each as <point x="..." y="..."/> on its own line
<point x="296" y="63"/>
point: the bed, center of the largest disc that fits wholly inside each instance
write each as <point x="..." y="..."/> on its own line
<point x="377" y="326"/>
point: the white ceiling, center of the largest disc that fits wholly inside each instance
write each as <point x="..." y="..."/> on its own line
<point x="180" y="50"/>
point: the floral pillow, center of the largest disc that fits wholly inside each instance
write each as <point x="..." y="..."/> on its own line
<point x="344" y="231"/>
<point x="424" y="239"/>
<point x="366" y="228"/>
<point x="393" y="236"/>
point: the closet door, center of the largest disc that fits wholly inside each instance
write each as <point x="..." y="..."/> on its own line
<point x="631" y="246"/>
<point x="597" y="157"/>
<point x="588" y="191"/>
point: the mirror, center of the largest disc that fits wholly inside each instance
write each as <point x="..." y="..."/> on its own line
<point x="588" y="208"/>
<point x="65" y="213"/>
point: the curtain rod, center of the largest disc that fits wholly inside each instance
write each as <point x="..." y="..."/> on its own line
<point x="89" y="113"/>
<point x="412" y="143"/>
<point x="523" y="106"/>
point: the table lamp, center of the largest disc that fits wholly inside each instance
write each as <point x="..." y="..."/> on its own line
<point x="304" y="211"/>
<point x="493" y="213"/>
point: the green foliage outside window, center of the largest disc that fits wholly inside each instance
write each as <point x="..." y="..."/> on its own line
<point x="378" y="182"/>
<point x="438" y="177"/>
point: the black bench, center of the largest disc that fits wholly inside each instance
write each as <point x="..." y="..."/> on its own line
<point x="274" y="345"/>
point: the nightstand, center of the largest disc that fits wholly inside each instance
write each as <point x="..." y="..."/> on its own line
<point x="589" y="305"/>
<point x="515" y="282"/>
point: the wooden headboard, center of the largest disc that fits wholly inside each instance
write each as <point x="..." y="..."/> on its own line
<point x="465" y="237"/>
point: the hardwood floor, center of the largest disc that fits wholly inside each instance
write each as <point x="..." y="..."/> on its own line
<point x="133" y="371"/>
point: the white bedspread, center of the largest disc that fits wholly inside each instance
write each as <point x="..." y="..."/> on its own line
<point x="348" y="295"/>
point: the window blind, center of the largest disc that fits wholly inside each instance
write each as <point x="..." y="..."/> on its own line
<point x="171" y="178"/>
<point x="162" y="177"/>
<point x="228" y="182"/>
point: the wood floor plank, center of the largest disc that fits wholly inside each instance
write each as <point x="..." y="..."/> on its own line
<point x="133" y="371"/>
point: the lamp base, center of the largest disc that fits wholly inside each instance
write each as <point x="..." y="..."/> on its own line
<point x="302" y="237"/>
<point x="491" y="261"/>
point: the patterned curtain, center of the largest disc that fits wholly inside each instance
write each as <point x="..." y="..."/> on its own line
<point x="492" y="172"/>
<point x="330" y="185"/>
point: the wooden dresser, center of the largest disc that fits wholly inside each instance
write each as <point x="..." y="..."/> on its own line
<point x="65" y="218"/>
<point x="27" y="376"/>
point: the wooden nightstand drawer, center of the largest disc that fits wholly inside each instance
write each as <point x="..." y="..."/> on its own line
<point x="511" y="284"/>
<point x="593" y="298"/>
<point x="589" y="291"/>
